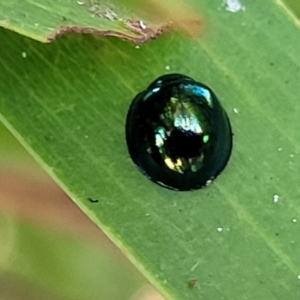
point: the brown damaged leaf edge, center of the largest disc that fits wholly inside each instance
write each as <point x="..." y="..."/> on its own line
<point x="181" y="17"/>
<point x="139" y="32"/>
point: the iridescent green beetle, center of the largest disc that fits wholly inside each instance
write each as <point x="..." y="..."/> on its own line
<point x="178" y="134"/>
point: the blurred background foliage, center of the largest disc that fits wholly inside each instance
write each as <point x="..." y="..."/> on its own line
<point x="49" y="249"/>
<point x="294" y="5"/>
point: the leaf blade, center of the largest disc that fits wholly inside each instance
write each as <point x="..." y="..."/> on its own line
<point x="212" y="235"/>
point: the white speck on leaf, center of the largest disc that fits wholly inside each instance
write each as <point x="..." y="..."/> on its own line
<point x="24" y="54"/>
<point x="80" y="2"/>
<point x="143" y="25"/>
<point x="294" y="220"/>
<point x="276" y="198"/>
<point x="279" y="149"/>
<point x="298" y="276"/>
<point x="110" y="15"/>
<point x="233" y="5"/>
<point x="167" y="67"/>
<point x="235" y="110"/>
<point x="220" y="229"/>
<point x="137" y="47"/>
<point x="195" y="266"/>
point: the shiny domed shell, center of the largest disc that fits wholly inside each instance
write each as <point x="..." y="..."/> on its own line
<point x="178" y="134"/>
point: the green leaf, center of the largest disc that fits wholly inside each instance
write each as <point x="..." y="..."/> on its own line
<point x="238" y="238"/>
